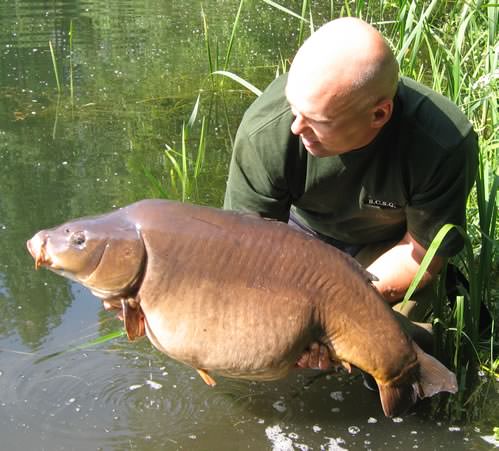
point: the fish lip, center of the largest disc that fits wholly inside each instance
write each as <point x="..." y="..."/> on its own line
<point x="38" y="252"/>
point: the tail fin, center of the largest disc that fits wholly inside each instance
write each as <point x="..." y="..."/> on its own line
<point x="396" y="399"/>
<point x="433" y="378"/>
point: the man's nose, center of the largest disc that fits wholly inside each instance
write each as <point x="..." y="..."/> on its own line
<point x="298" y="125"/>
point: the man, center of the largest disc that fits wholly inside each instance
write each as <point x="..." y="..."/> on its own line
<point x="345" y="150"/>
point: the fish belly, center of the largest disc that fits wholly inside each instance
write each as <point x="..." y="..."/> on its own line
<point x="233" y="334"/>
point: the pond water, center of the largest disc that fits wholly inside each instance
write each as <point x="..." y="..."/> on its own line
<point x="130" y="73"/>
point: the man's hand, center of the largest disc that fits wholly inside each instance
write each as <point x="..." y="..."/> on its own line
<point x="315" y="357"/>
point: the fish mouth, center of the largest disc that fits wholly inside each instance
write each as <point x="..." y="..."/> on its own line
<point x="37" y="248"/>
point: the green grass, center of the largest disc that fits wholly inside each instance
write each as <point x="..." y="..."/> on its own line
<point x="184" y="164"/>
<point x="56" y="70"/>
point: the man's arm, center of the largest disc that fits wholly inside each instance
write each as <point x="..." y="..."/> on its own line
<point x="397" y="267"/>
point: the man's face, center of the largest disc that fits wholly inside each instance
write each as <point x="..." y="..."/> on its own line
<point x="331" y="126"/>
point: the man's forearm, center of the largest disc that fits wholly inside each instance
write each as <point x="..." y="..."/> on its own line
<point x="397" y="267"/>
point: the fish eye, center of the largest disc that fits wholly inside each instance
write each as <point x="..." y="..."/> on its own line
<point x="78" y="239"/>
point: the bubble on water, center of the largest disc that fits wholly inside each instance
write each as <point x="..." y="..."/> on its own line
<point x="372" y="420"/>
<point x="354" y="430"/>
<point x="316" y="428"/>
<point x="280" y="406"/>
<point x="193" y="437"/>
<point x="134" y="387"/>
<point x="154" y="385"/>
<point x="70" y="401"/>
<point x="454" y="428"/>
<point x="337" y="396"/>
<point x="397" y="420"/>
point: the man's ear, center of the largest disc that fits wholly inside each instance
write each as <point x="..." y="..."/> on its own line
<point x="381" y="113"/>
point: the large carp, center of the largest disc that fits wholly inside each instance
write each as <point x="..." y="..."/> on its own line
<point x="238" y="295"/>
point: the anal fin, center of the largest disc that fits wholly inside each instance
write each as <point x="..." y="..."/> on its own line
<point x="206" y="377"/>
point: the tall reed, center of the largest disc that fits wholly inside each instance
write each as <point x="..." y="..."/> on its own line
<point x="54" y="65"/>
<point x="183" y="165"/>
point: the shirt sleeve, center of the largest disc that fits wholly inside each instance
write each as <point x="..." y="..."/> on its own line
<point x="443" y="198"/>
<point x="256" y="181"/>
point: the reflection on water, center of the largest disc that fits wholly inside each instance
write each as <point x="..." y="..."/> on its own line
<point x="130" y="74"/>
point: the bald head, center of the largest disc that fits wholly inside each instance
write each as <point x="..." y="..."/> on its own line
<point x="346" y="56"/>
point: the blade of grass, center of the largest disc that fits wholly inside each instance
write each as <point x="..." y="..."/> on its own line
<point x="239" y="80"/>
<point x="194" y="113"/>
<point x="185" y="178"/>
<point x="88" y="344"/>
<point x="160" y="191"/>
<point x="425" y="263"/>
<point x="304" y="7"/>
<point x="207" y="44"/>
<point x="180" y="170"/>
<point x="285" y="10"/>
<point x="201" y="149"/>
<point x="54" y="64"/>
<point x="232" y="36"/>
<point x="415" y="33"/>
<point x="71" y="87"/>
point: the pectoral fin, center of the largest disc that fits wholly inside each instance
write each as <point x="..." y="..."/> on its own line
<point x="432" y="377"/>
<point x="206" y="377"/>
<point x="133" y="317"/>
<point x="347" y="366"/>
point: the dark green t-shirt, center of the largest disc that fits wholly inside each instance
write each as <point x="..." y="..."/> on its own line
<point x="416" y="174"/>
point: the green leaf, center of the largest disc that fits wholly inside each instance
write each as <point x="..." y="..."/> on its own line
<point x="425" y="263"/>
<point x="239" y="80"/>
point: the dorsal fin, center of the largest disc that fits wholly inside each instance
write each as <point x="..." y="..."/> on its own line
<point x="370" y="277"/>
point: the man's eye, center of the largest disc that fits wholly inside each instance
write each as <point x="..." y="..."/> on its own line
<point x="78" y="239"/>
